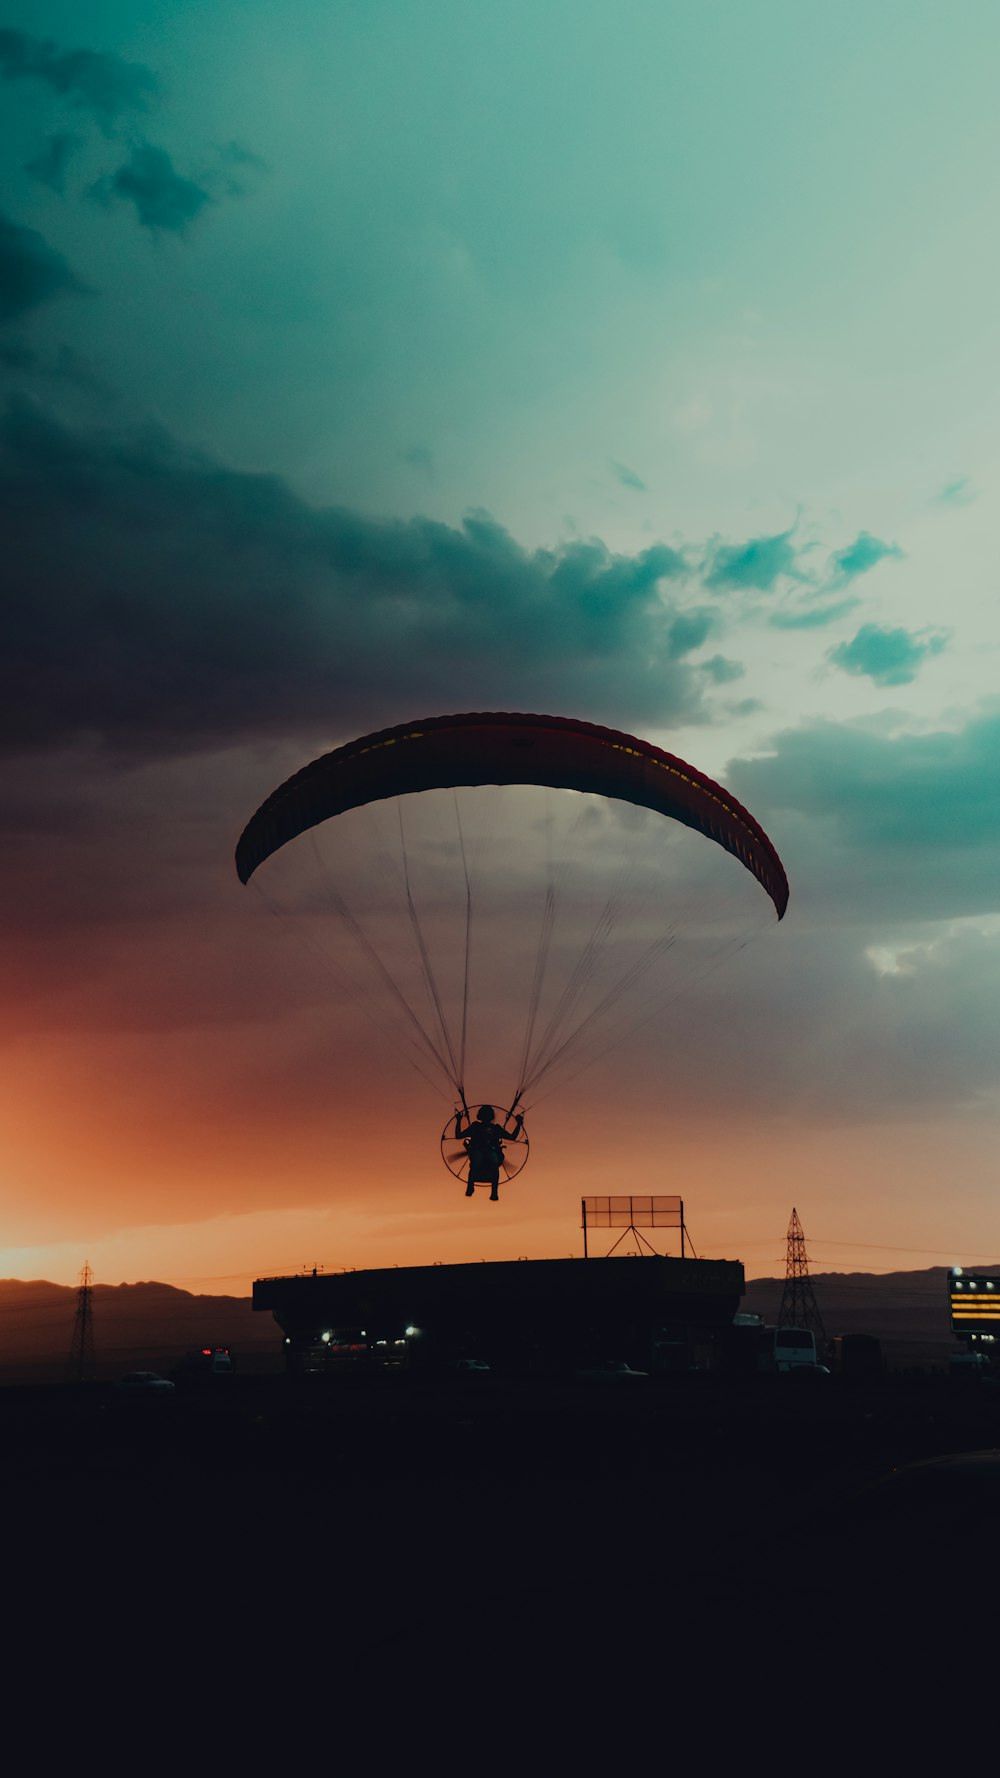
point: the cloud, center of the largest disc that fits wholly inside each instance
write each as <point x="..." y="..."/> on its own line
<point x="812" y="617"/>
<point x="31" y="272"/>
<point x="759" y="564"/>
<point x="852" y="1040"/>
<point x="883" y="980"/>
<point x="938" y="1007"/>
<point x="162" y="197"/>
<point x="957" y="493"/>
<point x="63" y="365"/>
<point x="241" y="169"/>
<point x="722" y="671"/>
<point x="628" y="477"/>
<point x="908" y="789"/>
<point x="104" y="85"/>
<point x="861" y="556"/>
<point x="107" y="88"/>
<point x="50" y="165"/>
<point x="888" y="657"/>
<point x="211" y="605"/>
<point x="689" y="630"/>
<point x="902" y="828"/>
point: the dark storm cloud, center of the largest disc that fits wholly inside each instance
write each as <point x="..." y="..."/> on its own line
<point x="757" y="565"/>
<point x="163" y="198"/>
<point x="31" y="272"/>
<point x="163" y="602"/>
<point x="51" y="164"/>
<point x="902" y="827"/>
<point x="905" y="789"/>
<point x="860" y="556"/>
<point x="883" y="980"/>
<point x="111" y="91"/>
<point x="104" y="85"/>
<point x="888" y="657"/>
<point x="63" y="365"/>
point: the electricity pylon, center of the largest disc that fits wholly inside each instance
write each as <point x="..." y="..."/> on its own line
<point x="80" y="1365"/>
<point x="798" y="1302"/>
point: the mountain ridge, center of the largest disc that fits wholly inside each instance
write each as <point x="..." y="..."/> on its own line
<point x="147" y="1325"/>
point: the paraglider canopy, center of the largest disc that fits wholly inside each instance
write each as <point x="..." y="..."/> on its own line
<point x="593" y="925"/>
<point x="500" y="747"/>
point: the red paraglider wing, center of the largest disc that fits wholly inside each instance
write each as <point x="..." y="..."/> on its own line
<point x="503" y="748"/>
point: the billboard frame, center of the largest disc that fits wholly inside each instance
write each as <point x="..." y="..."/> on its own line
<point x="632" y="1214"/>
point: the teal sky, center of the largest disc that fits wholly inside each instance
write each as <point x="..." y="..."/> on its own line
<point x="691" y="306"/>
<point x="743" y="250"/>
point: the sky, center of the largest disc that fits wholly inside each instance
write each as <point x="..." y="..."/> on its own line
<point x="365" y="361"/>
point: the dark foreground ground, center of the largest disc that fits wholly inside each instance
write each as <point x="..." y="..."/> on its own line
<point x="331" y="1547"/>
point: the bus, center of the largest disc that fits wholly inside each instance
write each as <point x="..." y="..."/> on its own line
<point x="786" y="1349"/>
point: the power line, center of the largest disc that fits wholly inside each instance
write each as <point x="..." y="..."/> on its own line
<point x="879" y="1247"/>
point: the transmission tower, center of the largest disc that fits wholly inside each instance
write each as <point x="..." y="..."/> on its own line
<point x="798" y="1302"/>
<point x="80" y="1365"/>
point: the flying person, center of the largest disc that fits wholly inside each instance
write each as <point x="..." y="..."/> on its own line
<point x="483" y="1139"/>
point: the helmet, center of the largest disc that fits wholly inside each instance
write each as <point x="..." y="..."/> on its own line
<point x="485" y="1114"/>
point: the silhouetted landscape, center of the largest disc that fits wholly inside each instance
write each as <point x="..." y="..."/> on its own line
<point x="366" y="1523"/>
<point x="907" y="1311"/>
<point x="151" y="1325"/>
<point x="135" y="1326"/>
<point x="466" y="1536"/>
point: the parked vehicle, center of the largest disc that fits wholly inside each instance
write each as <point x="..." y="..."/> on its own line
<point x="750" y="1347"/>
<point x="787" y="1349"/>
<point x="144" y="1383"/>
<point x="205" y="1365"/>
<point x="972" y="1364"/>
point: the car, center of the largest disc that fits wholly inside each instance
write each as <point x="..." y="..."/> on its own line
<point x="145" y="1383"/>
<point x="467" y="1366"/>
<point x="972" y="1366"/>
<point x="612" y="1370"/>
<point x="204" y="1364"/>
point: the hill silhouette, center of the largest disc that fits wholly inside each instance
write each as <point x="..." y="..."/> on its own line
<point x="907" y="1311"/>
<point x="146" y="1326"/>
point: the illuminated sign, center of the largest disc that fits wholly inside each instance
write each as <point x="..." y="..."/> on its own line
<point x="975" y="1303"/>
